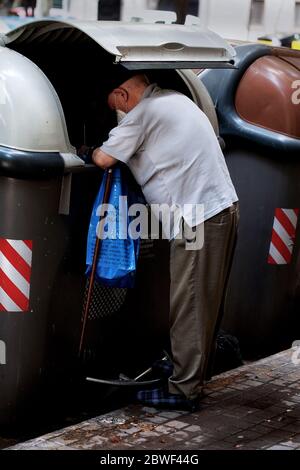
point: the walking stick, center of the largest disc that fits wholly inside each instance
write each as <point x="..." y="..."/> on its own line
<point x="95" y="258"/>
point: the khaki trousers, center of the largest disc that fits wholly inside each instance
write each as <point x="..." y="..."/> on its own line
<point x="197" y="292"/>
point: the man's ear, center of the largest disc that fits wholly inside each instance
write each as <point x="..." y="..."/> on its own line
<point x="124" y="93"/>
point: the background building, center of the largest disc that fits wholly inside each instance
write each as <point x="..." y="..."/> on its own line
<point x="249" y="19"/>
<point x="234" y="19"/>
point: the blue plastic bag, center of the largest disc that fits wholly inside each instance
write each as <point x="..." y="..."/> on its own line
<point x="117" y="261"/>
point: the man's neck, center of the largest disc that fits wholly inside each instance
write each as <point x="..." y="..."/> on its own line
<point x="137" y="97"/>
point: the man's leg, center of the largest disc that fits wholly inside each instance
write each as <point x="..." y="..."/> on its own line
<point x="198" y="279"/>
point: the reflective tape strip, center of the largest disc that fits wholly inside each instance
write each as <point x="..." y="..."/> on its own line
<point x="275" y="255"/>
<point x="15" y="272"/>
<point x="283" y="236"/>
<point x="23" y="248"/>
<point x="14" y="275"/>
<point x="8" y="304"/>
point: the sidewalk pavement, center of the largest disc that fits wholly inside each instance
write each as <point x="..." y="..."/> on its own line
<point x="256" y="406"/>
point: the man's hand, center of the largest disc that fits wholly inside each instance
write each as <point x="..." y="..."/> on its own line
<point x="85" y="153"/>
<point x="102" y="159"/>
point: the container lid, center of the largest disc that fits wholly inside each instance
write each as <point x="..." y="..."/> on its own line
<point x="138" y="45"/>
<point x="264" y="95"/>
<point x="32" y="118"/>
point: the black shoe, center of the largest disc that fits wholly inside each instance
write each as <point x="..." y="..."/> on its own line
<point x="163" y="368"/>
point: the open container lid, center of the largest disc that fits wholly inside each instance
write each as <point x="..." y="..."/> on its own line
<point x="138" y="45"/>
<point x="31" y="113"/>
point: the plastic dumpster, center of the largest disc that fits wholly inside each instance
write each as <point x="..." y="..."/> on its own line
<point x="54" y="83"/>
<point x="260" y="124"/>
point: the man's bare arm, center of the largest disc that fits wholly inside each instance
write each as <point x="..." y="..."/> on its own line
<point x="102" y="159"/>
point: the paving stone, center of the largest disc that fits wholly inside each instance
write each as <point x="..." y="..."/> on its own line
<point x="132" y="430"/>
<point x="279" y="447"/>
<point x="290" y="443"/>
<point x="279" y="422"/>
<point x="148" y="434"/>
<point x="176" y="424"/>
<point x="202" y="438"/>
<point x="63" y="442"/>
<point x="163" y="429"/>
<point x="262" y="415"/>
<point x="46" y="445"/>
<point x="261" y="429"/>
<point x="262" y="404"/>
<point x="246" y="436"/>
<point x="139" y="440"/>
<point x="296" y="438"/>
<point x="157" y="419"/>
<point x="67" y="448"/>
<point x="208" y="401"/>
<point x="293" y="427"/>
<point x="287" y="403"/>
<point x="279" y="435"/>
<point x="279" y="382"/>
<point x="219" y="446"/>
<point x="294" y="413"/>
<point x="180" y="435"/>
<point x="147" y="409"/>
<point x="193" y="428"/>
<point x="240" y="386"/>
<point x="261" y="443"/>
<point x="240" y="411"/>
<point x="252" y="383"/>
<point x="170" y="414"/>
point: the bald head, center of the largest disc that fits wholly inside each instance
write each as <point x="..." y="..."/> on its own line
<point x="129" y="93"/>
<point x="138" y="81"/>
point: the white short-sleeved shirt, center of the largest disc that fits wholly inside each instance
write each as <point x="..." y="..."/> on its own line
<point x="173" y="152"/>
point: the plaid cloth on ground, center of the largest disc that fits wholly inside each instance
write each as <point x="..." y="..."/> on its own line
<point x="160" y="397"/>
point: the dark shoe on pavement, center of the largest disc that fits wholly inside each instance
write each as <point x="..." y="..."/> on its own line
<point x="161" y="398"/>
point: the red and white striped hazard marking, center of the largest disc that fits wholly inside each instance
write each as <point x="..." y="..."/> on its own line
<point x="283" y="236"/>
<point x="15" y="272"/>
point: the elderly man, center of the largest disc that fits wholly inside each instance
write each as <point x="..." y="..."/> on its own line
<point x="172" y="150"/>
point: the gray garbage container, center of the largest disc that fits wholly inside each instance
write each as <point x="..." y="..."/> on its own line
<point x="37" y="164"/>
<point x="53" y="90"/>
<point x="260" y="124"/>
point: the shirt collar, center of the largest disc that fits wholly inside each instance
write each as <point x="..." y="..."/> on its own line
<point x="149" y="90"/>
